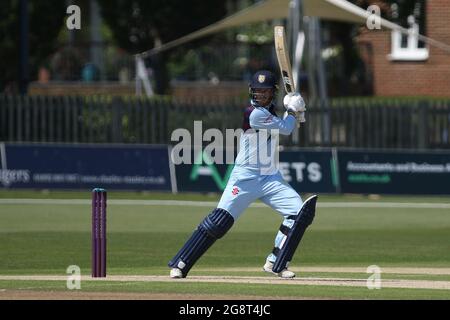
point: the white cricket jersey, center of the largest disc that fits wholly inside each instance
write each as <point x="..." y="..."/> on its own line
<point x="258" y="153"/>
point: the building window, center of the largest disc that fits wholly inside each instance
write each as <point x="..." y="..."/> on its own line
<point x="407" y="47"/>
<point x="411" y="15"/>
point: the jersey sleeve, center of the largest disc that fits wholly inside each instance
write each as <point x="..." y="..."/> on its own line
<point x="259" y="119"/>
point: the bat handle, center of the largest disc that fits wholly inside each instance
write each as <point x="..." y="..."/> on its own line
<point x="301" y="117"/>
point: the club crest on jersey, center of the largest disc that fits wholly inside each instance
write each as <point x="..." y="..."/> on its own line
<point x="261" y="78"/>
<point x="235" y="191"/>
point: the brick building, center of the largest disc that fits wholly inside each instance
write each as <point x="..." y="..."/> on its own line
<point x="417" y="72"/>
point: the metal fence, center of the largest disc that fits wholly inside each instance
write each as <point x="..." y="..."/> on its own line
<point x="384" y="123"/>
<point x="353" y="123"/>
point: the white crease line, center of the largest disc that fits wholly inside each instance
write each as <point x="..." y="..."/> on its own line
<point x="347" y="282"/>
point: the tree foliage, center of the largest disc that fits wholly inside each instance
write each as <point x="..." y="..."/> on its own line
<point x="45" y="21"/>
<point x="140" y="25"/>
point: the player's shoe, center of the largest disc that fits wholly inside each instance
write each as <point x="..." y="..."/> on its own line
<point x="176" y="273"/>
<point x="285" y="273"/>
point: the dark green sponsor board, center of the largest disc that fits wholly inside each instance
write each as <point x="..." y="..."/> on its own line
<point x="305" y="170"/>
<point x="394" y="172"/>
<point x="309" y="171"/>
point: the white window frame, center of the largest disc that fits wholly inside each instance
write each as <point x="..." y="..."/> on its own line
<point x="411" y="52"/>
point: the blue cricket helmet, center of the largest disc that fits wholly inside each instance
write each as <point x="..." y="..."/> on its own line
<point x="263" y="79"/>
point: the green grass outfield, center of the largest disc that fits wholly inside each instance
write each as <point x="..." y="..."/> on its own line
<point x="44" y="238"/>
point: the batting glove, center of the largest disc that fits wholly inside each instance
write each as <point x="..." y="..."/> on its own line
<point x="294" y="102"/>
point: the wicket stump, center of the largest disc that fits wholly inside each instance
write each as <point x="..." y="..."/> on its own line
<point x="98" y="232"/>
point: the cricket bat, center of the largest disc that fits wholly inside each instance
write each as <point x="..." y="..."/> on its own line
<point x="285" y="64"/>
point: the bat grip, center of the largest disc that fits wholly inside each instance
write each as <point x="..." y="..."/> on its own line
<point x="301" y="117"/>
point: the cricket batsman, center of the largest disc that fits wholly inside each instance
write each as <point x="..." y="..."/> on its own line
<point x="254" y="179"/>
